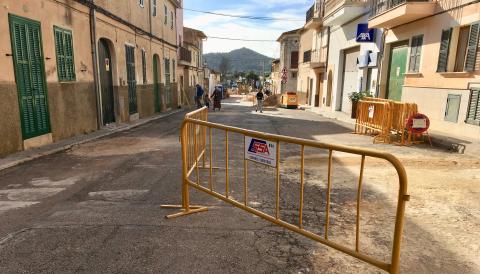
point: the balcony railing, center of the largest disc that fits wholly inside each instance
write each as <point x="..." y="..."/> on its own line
<point x="380" y="6"/>
<point x="310" y="13"/>
<point x="185" y="55"/>
<point x="319" y="57"/>
<point x="307" y="56"/>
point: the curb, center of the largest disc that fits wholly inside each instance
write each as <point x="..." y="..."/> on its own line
<point x="93" y="138"/>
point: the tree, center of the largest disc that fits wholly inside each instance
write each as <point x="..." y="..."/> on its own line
<point x="252" y="76"/>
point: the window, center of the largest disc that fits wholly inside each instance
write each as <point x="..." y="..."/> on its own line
<point x="144" y="66"/>
<point x="466" y="49"/>
<point x="294" y="74"/>
<point x="294" y="59"/>
<point x="461" y="48"/>
<point x="166" y="14"/>
<point x="141" y="3"/>
<point x="154" y="8"/>
<point x="444" y="48"/>
<point x="64" y="52"/>
<point x="415" y="53"/>
<point x="452" y="108"/>
<point x="171" y="20"/>
<point x="473" y="113"/>
<point x="174" y="68"/>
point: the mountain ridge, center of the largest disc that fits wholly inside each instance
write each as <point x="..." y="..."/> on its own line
<point x="240" y="60"/>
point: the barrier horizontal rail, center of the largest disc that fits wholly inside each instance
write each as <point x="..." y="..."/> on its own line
<point x="194" y="150"/>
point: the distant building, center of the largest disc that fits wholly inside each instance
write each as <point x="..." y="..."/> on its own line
<point x="289" y="47"/>
<point x="276" y="76"/>
<point x="191" y="62"/>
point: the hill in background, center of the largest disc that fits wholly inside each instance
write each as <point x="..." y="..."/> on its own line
<point x="240" y="60"/>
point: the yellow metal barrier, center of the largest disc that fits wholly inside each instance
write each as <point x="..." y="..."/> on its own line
<point x="195" y="146"/>
<point x="374" y="117"/>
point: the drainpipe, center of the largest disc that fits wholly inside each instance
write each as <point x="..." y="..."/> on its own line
<point x="93" y="39"/>
<point x="326" y="65"/>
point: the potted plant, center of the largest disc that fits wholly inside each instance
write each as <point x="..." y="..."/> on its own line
<point x="354" y="98"/>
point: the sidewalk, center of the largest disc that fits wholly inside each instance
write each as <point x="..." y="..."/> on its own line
<point x="457" y="144"/>
<point x="32" y="154"/>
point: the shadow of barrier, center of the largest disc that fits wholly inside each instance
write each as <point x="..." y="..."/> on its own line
<point x="196" y="140"/>
<point x="385" y="121"/>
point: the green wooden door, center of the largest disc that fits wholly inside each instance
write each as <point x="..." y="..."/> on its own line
<point x="156" y="85"/>
<point x="131" y="80"/>
<point x="396" y="77"/>
<point x="30" y="76"/>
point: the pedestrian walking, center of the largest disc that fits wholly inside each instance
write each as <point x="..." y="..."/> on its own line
<point x="260" y="96"/>
<point x="206" y="100"/>
<point x="199" y="95"/>
<point x="217" y="99"/>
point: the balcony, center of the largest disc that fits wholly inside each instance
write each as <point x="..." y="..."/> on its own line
<point x="185" y="56"/>
<point x="338" y="12"/>
<point x="314" y="17"/>
<point x="391" y="13"/>
<point x="307" y="56"/>
<point x="319" y="59"/>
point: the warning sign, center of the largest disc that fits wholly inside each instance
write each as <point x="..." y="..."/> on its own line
<point x="261" y="151"/>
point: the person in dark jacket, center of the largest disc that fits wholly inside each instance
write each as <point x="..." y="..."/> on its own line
<point x="217" y="99"/>
<point x="260" y="97"/>
<point x="199" y="95"/>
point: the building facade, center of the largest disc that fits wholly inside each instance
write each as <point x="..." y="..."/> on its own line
<point x="289" y="54"/>
<point x="71" y="67"/>
<point x="352" y="58"/>
<point x="276" y="76"/>
<point x="432" y="58"/>
<point x="191" y="62"/>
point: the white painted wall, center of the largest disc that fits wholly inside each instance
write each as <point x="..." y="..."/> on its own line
<point x="341" y="38"/>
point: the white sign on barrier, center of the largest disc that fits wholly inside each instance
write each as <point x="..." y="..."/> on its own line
<point x="419" y="123"/>
<point x="371" y="112"/>
<point x="261" y="151"/>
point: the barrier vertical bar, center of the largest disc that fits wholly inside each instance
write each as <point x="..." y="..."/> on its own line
<point x="277" y="200"/>
<point x="302" y="180"/>
<point x="329" y="188"/>
<point x="211" y="160"/>
<point x="245" y="175"/>
<point x="195" y="151"/>
<point x="359" y="195"/>
<point x="185" y="194"/>
<point x="397" y="236"/>
<point x="226" y="163"/>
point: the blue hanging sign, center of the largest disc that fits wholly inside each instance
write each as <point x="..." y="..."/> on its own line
<point x="364" y="34"/>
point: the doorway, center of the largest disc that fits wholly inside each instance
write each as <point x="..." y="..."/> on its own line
<point x="156" y="83"/>
<point x="350" y="77"/>
<point x="106" y="82"/>
<point x="131" y="80"/>
<point x="328" y="102"/>
<point x="397" y="69"/>
<point x="26" y="37"/>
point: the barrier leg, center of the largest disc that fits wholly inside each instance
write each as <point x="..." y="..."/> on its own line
<point x="185" y="208"/>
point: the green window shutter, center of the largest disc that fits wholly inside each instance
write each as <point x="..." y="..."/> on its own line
<point x="415" y="53"/>
<point x="472" y="47"/>
<point x="473" y="113"/>
<point x="60" y="51"/>
<point x="444" y="49"/>
<point x="174" y="70"/>
<point x="64" y="51"/>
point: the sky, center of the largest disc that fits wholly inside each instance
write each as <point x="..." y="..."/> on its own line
<point x="220" y="26"/>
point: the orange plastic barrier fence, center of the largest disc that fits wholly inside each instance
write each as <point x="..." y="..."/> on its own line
<point x="374" y="118"/>
<point x="196" y="146"/>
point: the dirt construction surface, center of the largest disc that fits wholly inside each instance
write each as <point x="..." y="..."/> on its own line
<point x="96" y="208"/>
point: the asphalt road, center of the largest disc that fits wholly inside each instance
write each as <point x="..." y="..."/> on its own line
<point x="96" y="208"/>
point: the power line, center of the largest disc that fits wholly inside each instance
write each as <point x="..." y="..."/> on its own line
<point x="240" y="39"/>
<point x="247" y="16"/>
